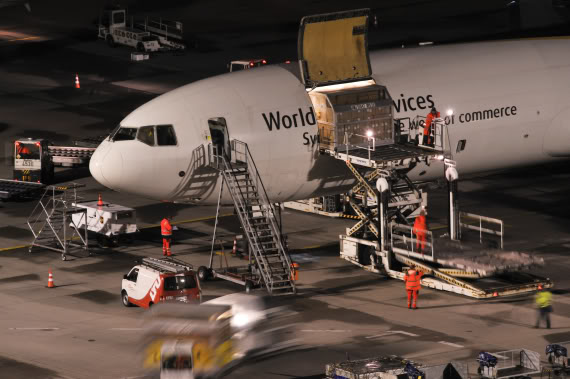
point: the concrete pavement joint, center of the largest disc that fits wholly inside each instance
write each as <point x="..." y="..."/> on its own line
<point x="451" y="344"/>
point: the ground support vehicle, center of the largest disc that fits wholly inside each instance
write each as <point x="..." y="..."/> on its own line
<point x="394" y="367"/>
<point x="557" y="354"/>
<point x="245" y="64"/>
<point x="517" y="363"/>
<point x="35" y="159"/>
<point x="111" y="223"/>
<point x="356" y="125"/>
<point x="152" y="35"/>
<point x="155" y="280"/>
<point x="330" y="206"/>
<point x="18" y="190"/>
<point x="189" y="340"/>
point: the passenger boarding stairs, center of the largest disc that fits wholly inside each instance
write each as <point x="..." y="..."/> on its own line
<point x="51" y="221"/>
<point x="257" y="216"/>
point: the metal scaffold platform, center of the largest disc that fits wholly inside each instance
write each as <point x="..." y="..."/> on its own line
<point x="55" y="221"/>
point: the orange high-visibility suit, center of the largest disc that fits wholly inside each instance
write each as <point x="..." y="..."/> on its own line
<point x="427" y="129"/>
<point x="420" y="230"/>
<point x="166" y="232"/>
<point x="413" y="285"/>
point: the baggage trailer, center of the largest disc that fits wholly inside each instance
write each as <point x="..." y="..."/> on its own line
<point x="110" y="222"/>
<point x="557" y="354"/>
<point x="18" y="190"/>
<point x="517" y="363"/>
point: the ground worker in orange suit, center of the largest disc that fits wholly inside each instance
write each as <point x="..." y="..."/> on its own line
<point x="420" y="230"/>
<point x="166" y="231"/>
<point x="427" y="129"/>
<point x="413" y="285"/>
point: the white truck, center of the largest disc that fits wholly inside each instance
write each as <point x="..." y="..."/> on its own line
<point x="150" y="35"/>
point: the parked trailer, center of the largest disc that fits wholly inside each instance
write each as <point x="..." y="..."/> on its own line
<point x="517" y="363"/>
<point x="110" y="222"/>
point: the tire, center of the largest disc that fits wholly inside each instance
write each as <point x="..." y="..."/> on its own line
<point x="110" y="41"/>
<point x="140" y="47"/>
<point x="125" y="299"/>
<point x="203" y="273"/>
<point x="248" y="286"/>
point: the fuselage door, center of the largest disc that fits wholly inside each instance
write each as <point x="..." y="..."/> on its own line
<point x="333" y="48"/>
<point x="220" y="136"/>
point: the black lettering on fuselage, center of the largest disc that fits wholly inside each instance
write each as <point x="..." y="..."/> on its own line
<point x="276" y="120"/>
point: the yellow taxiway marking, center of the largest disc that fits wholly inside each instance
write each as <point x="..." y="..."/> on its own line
<point x="22" y="39"/>
<point x="144" y="227"/>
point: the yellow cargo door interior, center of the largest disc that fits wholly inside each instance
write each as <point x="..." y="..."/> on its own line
<point x="333" y="48"/>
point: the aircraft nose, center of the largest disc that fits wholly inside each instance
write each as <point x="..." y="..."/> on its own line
<point x="106" y="165"/>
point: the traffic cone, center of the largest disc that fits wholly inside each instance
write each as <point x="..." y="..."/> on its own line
<point x="50" y="280"/>
<point x="100" y="201"/>
<point x="77" y="81"/>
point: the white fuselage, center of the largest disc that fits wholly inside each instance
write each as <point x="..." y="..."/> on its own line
<point x="508" y="99"/>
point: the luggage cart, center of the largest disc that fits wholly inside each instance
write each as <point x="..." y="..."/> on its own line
<point x="517" y="363"/>
<point x="388" y="367"/>
<point x="110" y="222"/>
<point x="557" y="354"/>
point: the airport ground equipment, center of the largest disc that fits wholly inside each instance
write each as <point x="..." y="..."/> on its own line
<point x="245" y="64"/>
<point x="157" y="280"/>
<point x="394" y="367"/>
<point x="34" y="159"/>
<point x="269" y="263"/>
<point x="150" y="35"/>
<point x="517" y="363"/>
<point x="330" y="206"/>
<point x="356" y="125"/>
<point x="557" y="354"/>
<point x="53" y="221"/>
<point x="110" y="222"/>
<point x="18" y="190"/>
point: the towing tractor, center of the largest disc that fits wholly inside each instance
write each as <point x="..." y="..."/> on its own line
<point x="148" y="35"/>
<point x="35" y="159"/>
<point x="113" y="29"/>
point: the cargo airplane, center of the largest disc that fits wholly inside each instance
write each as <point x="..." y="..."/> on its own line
<point x="507" y="101"/>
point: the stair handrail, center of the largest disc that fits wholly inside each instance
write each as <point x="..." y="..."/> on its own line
<point x="273" y="220"/>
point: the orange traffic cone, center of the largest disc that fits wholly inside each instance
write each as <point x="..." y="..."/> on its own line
<point x="77" y="81"/>
<point x="100" y="201"/>
<point x="50" y="280"/>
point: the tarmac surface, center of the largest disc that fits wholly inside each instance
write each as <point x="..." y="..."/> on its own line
<point x="80" y="329"/>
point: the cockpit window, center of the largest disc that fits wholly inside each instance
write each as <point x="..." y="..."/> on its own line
<point x="146" y="135"/>
<point x="125" y="134"/>
<point x="165" y="135"/>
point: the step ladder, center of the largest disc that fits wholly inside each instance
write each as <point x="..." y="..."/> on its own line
<point x="51" y="221"/>
<point x="257" y="215"/>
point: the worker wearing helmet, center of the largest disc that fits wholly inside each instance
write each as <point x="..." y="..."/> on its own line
<point x="166" y="232"/>
<point x="22" y="151"/>
<point x="543" y="299"/>
<point x="413" y="284"/>
<point x="420" y="230"/>
<point x="427" y="141"/>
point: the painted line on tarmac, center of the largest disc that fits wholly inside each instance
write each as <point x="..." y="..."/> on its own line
<point x="326" y="330"/>
<point x="189" y="221"/>
<point x="126" y="329"/>
<point x="42" y="329"/>
<point x="14" y="247"/>
<point x="450" y="344"/>
<point x="144" y="227"/>
<point x="392" y="332"/>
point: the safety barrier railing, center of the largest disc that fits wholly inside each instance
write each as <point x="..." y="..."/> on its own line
<point x="403" y="240"/>
<point x="482" y="225"/>
<point x="410" y="130"/>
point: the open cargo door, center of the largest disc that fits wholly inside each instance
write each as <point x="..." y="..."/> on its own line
<point x="333" y="47"/>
